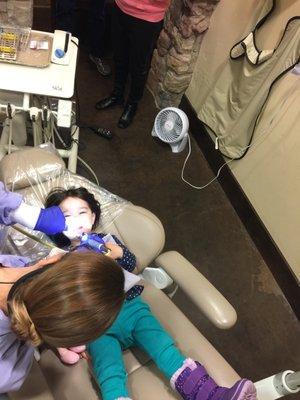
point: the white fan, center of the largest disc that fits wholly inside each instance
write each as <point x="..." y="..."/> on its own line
<point x="171" y="126"/>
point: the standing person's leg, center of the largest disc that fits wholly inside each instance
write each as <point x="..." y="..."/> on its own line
<point x="143" y="39"/>
<point x="64" y="15"/>
<point x="189" y="378"/>
<point x="96" y="28"/>
<point x="121" y="48"/>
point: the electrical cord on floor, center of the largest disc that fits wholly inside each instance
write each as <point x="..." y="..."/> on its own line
<point x="66" y="147"/>
<point x="63" y="143"/>
<point x="100" y="131"/>
<point x="89" y="169"/>
<point x="103" y="132"/>
<point x="10" y="136"/>
<point x="208" y="183"/>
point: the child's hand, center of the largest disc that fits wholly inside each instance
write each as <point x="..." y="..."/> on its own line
<point x="115" y="250"/>
<point x="72" y="355"/>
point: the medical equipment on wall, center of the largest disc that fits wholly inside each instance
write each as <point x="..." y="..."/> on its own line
<point x="171" y="126"/>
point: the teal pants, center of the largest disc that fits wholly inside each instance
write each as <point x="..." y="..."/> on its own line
<point x="134" y="326"/>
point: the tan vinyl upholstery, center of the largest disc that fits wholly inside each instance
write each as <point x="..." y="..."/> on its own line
<point x="144" y="380"/>
<point x="143" y="233"/>
<point x="127" y="226"/>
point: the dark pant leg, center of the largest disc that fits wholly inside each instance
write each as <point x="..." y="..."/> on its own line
<point x="143" y="37"/>
<point x="96" y="27"/>
<point x="121" y="45"/>
<point x="64" y="15"/>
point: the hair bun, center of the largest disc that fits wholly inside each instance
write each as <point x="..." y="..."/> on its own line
<point x="22" y="324"/>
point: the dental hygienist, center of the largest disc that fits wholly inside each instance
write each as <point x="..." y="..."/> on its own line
<point x="31" y="295"/>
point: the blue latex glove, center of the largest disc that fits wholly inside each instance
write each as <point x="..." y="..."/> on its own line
<point x="51" y="221"/>
<point x="13" y="210"/>
<point x="9" y="260"/>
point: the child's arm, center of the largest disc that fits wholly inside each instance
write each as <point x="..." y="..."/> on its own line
<point x="126" y="259"/>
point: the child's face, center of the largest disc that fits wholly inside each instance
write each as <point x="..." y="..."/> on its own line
<point x="79" y="217"/>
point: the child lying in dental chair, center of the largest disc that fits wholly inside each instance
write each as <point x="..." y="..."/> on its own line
<point x="135" y="324"/>
<point x="75" y="212"/>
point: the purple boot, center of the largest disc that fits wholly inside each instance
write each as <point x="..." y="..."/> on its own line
<point x="192" y="382"/>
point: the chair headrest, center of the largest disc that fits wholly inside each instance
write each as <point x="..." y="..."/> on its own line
<point x="19" y="169"/>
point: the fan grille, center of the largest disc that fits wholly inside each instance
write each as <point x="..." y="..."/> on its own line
<point x="168" y="126"/>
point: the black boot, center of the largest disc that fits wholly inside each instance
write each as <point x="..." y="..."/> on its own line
<point x="127" y="116"/>
<point x="111" y="101"/>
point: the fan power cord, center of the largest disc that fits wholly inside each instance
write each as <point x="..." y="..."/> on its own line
<point x="254" y="144"/>
<point x="92" y="172"/>
<point x="208" y="183"/>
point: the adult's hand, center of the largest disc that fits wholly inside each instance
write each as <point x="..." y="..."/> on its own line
<point x="14" y="210"/>
<point x="48" y="260"/>
<point x="9" y="201"/>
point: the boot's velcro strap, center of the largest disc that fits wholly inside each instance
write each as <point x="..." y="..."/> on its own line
<point x="207" y="389"/>
<point x="196" y="379"/>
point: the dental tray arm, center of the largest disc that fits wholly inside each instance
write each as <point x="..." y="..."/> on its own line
<point x="203" y="294"/>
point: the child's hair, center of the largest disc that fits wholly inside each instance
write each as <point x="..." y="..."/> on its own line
<point x="58" y="195"/>
<point x="70" y="303"/>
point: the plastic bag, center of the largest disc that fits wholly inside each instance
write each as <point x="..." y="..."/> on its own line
<point x="34" y="173"/>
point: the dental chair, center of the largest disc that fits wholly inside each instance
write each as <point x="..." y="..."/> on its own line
<point x="33" y="173"/>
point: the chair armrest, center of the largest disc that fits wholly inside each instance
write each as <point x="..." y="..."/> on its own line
<point x="203" y="294"/>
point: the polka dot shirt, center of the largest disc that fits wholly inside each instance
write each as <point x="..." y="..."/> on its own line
<point x="128" y="262"/>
